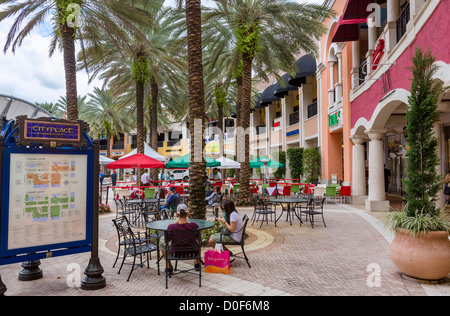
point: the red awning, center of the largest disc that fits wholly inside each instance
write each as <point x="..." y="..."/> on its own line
<point x="357" y="9"/>
<point x="347" y="30"/>
<point x="136" y="161"/>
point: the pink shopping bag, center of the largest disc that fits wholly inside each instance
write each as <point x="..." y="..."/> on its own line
<point x="217" y="262"/>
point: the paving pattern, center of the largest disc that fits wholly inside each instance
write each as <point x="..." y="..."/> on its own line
<point x="348" y="257"/>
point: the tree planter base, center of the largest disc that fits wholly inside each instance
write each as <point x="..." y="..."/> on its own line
<point x="424" y="257"/>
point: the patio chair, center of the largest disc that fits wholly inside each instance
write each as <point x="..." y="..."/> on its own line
<point x="317" y="209"/>
<point x="319" y="192"/>
<point x="182" y="245"/>
<point x="345" y="192"/>
<point x="263" y="209"/>
<point x="286" y="191"/>
<point x="241" y="243"/>
<point x="295" y="189"/>
<point x="135" y="244"/>
<point x="120" y="209"/>
<point x="150" y="193"/>
<point x="331" y="191"/>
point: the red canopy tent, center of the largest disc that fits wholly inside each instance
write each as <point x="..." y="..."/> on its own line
<point x="138" y="161"/>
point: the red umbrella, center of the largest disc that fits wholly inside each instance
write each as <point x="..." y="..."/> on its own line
<point x="136" y="161"/>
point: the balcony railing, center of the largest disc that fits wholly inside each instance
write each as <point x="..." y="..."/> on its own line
<point x="119" y="145"/>
<point x="294" y="118"/>
<point x="261" y="129"/>
<point x="312" y="110"/>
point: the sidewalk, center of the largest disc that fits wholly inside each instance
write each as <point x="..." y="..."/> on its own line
<point x="349" y="257"/>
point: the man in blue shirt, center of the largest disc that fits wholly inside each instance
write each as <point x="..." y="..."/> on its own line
<point x="172" y="201"/>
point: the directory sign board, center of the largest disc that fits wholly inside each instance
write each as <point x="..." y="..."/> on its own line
<point x="47" y="199"/>
<point x="47" y="193"/>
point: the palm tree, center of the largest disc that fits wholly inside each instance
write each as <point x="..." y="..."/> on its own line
<point x="72" y="20"/>
<point x="51" y="107"/>
<point x="268" y="34"/>
<point x="196" y="97"/>
<point x="106" y="116"/>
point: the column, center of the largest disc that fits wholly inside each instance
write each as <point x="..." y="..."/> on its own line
<point x="338" y="87"/>
<point x="331" y="90"/>
<point x="268" y="129"/>
<point x="356" y="62"/>
<point x="393" y="10"/>
<point x="376" y="201"/>
<point x="359" y="193"/>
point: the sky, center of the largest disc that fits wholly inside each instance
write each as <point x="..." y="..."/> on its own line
<point x="30" y="73"/>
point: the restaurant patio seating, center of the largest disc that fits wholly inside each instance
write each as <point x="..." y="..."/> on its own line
<point x="150" y="193"/>
<point x="317" y="209"/>
<point x="182" y="245"/>
<point x="345" y="192"/>
<point x="295" y="189"/>
<point x="240" y="243"/>
<point x="135" y="244"/>
<point x="331" y="191"/>
<point x="264" y="209"/>
<point x="120" y="209"/>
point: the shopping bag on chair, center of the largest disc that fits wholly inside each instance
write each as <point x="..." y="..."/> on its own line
<point x="217" y="260"/>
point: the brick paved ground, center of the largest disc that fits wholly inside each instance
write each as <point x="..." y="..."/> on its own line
<point x="286" y="260"/>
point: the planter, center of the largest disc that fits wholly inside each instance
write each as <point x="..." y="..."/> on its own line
<point x="425" y="256"/>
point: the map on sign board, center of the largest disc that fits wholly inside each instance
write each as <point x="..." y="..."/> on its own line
<point x="47" y="199"/>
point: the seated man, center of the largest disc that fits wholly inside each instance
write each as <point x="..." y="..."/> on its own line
<point x="172" y="201"/>
<point x="182" y="223"/>
<point x="214" y="197"/>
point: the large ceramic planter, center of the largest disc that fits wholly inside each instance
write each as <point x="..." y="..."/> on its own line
<point x="425" y="256"/>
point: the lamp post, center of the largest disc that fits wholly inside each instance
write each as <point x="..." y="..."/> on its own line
<point x="265" y="161"/>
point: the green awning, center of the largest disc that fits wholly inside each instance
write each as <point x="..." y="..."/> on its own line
<point x="183" y="163"/>
<point x="257" y="163"/>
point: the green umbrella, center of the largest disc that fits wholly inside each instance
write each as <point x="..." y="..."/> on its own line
<point x="258" y="163"/>
<point x="183" y="163"/>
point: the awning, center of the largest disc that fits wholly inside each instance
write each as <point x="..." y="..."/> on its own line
<point x="306" y="67"/>
<point x="258" y="163"/>
<point x="268" y="96"/>
<point x="282" y="92"/>
<point x="357" y="9"/>
<point x="347" y="30"/>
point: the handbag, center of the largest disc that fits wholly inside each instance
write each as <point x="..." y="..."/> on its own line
<point x="447" y="191"/>
<point x="217" y="260"/>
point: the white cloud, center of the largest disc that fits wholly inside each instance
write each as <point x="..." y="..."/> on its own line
<point x="30" y="74"/>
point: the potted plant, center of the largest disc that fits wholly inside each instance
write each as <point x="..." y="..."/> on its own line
<point x="421" y="248"/>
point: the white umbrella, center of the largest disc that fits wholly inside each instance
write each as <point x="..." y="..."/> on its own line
<point x="148" y="151"/>
<point x="226" y="163"/>
<point x="105" y="160"/>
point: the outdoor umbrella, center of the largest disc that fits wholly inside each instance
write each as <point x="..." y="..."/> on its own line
<point x="138" y="161"/>
<point x="105" y="160"/>
<point x="148" y="151"/>
<point x="226" y="163"/>
<point x="258" y="163"/>
<point x="183" y="163"/>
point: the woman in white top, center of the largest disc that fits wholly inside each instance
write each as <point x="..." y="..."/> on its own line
<point x="232" y="221"/>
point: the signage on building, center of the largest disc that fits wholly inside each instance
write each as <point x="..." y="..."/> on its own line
<point x="292" y="133"/>
<point x="377" y="54"/>
<point x="335" y="120"/>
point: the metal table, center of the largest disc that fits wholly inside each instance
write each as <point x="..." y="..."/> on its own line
<point x="288" y="209"/>
<point x="162" y="225"/>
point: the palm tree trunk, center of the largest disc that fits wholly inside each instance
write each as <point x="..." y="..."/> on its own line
<point x="140" y="116"/>
<point x="237" y="174"/>
<point x="245" y="122"/>
<point x="220" y="126"/>
<point x="154" y="122"/>
<point x="68" y="39"/>
<point x="197" y="165"/>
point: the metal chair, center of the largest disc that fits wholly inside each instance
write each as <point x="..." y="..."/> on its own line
<point x="134" y="245"/>
<point x="330" y="191"/>
<point x="182" y="245"/>
<point x="263" y="209"/>
<point x="240" y="243"/>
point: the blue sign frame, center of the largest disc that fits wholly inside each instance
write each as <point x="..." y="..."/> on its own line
<point x="50" y="250"/>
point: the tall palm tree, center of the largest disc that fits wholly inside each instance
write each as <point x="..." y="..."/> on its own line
<point x="106" y="116"/>
<point x="268" y="34"/>
<point x="51" y="107"/>
<point x="72" y="20"/>
<point x="196" y="97"/>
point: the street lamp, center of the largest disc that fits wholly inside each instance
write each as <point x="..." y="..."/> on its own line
<point x="265" y="161"/>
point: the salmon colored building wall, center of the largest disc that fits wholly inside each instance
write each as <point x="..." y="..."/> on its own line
<point x="336" y="145"/>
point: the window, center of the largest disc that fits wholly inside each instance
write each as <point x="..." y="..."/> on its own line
<point x="119" y="142"/>
<point x="312" y="110"/>
<point x="403" y="19"/>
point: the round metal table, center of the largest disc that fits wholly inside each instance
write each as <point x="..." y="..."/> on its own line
<point x="162" y="225"/>
<point x="288" y="209"/>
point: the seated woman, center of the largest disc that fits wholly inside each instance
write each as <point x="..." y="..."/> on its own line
<point x="180" y="224"/>
<point x="232" y="221"/>
<point x="214" y="197"/>
<point x="172" y="201"/>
